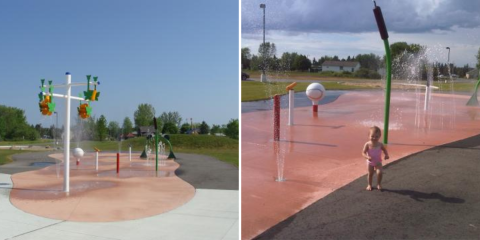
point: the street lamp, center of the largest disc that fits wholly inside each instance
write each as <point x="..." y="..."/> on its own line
<point x="448" y="63"/>
<point x="448" y="60"/>
<point x="263" y="77"/>
<point x="191" y="125"/>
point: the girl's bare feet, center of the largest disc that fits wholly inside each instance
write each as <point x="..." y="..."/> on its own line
<point x="379" y="187"/>
<point x="369" y="188"/>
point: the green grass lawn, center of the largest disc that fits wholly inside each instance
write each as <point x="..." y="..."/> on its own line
<point x="457" y="87"/>
<point x="41" y="142"/>
<point x="6" y="155"/>
<point x="254" y="91"/>
<point x="300" y="75"/>
<point x="222" y="148"/>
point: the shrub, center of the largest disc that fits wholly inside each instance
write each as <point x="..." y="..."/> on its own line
<point x="366" y="73"/>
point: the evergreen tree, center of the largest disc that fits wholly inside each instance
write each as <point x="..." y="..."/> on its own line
<point x="185" y="127"/>
<point x="232" y="129"/>
<point x="204" y="128"/>
<point x="127" y="126"/>
<point x="102" y="129"/>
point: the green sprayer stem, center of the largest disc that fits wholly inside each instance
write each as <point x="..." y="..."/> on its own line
<point x="388" y="87"/>
<point x="88" y="82"/>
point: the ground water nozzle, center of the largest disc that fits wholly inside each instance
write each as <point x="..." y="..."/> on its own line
<point x="382" y="28"/>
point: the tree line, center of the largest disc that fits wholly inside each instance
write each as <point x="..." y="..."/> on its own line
<point x="14" y="126"/>
<point x="403" y="55"/>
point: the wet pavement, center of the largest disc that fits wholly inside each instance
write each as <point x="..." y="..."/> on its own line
<point x="321" y="153"/>
<point x="301" y="100"/>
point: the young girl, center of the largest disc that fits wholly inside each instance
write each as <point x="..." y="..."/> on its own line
<point x="372" y="151"/>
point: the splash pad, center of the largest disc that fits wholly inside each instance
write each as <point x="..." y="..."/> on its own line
<point x="102" y="195"/>
<point x="323" y="154"/>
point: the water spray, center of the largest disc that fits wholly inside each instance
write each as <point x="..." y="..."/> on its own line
<point x="96" y="158"/>
<point x="382" y="28"/>
<point x="130" y="152"/>
<point x="156" y="143"/>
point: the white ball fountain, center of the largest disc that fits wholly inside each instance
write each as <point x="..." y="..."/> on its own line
<point x="78" y="153"/>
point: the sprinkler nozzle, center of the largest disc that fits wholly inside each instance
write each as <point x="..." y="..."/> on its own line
<point x="382" y="28"/>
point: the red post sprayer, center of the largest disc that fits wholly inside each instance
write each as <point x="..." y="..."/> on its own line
<point x="276" y="118"/>
<point x="118" y="162"/>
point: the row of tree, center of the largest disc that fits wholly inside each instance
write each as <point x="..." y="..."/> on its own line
<point x="14" y="126"/>
<point x="405" y="56"/>
<point x="171" y="122"/>
<point x="267" y="59"/>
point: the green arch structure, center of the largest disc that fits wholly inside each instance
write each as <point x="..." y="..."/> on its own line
<point x="170" y="155"/>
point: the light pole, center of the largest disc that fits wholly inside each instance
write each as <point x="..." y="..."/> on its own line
<point x="191" y="125"/>
<point x="448" y="63"/>
<point x="264" y="76"/>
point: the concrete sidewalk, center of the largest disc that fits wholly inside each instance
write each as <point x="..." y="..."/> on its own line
<point x="213" y="212"/>
<point x="433" y="194"/>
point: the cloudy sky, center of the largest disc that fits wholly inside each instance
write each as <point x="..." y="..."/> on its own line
<point x="347" y="27"/>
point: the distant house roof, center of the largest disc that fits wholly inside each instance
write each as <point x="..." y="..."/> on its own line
<point x="191" y="131"/>
<point x="340" y="64"/>
<point x="147" y="129"/>
<point x="473" y="73"/>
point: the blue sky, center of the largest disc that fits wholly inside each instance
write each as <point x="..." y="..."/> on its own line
<point x="176" y="55"/>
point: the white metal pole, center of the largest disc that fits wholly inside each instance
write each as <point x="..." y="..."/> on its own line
<point x="66" y="141"/>
<point x="291" y="105"/>
<point x="96" y="161"/>
<point x="130" y="153"/>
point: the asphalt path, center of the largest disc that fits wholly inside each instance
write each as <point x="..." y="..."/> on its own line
<point x="199" y="170"/>
<point x="434" y="194"/>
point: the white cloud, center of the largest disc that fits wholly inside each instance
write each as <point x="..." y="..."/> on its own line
<point x="347" y="27"/>
<point x="357" y="15"/>
<point x="463" y="43"/>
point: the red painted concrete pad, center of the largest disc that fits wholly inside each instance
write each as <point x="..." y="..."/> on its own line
<point x="136" y="192"/>
<point x="323" y="153"/>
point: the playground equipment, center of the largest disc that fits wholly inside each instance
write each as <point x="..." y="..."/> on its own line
<point x="473" y="101"/>
<point x="291" y="102"/>
<point x="130" y="152"/>
<point x="276" y="118"/>
<point x="84" y="110"/>
<point x="96" y="158"/>
<point x="154" y="140"/>
<point x="170" y="155"/>
<point x="382" y="28"/>
<point x="78" y="153"/>
<point x="118" y="162"/>
<point x="47" y="107"/>
<point x="315" y="92"/>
